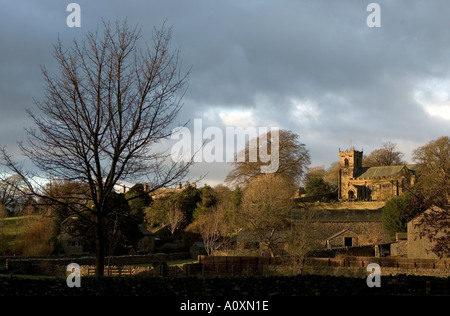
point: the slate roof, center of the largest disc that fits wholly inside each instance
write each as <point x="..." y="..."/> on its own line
<point x="340" y="233"/>
<point x="378" y="172"/>
<point x="414" y="168"/>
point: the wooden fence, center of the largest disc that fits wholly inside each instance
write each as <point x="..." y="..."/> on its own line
<point x="230" y="265"/>
<point x="387" y="262"/>
<point x="246" y="265"/>
<point x="160" y="270"/>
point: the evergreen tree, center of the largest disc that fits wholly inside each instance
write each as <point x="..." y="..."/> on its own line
<point x="393" y="215"/>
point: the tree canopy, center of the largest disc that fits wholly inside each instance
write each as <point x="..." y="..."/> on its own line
<point x="393" y="215"/>
<point x="388" y="155"/>
<point x="293" y="156"/>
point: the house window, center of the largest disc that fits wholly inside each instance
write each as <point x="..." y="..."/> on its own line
<point x="348" y="241"/>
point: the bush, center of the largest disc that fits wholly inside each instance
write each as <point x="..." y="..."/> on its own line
<point x="37" y="238"/>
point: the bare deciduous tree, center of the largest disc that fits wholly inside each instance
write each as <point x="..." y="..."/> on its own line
<point x="388" y="155"/>
<point x="212" y="227"/>
<point x="102" y="117"/>
<point x="301" y="239"/>
<point x="10" y="194"/>
<point x="266" y="209"/>
<point x="3" y="243"/>
<point x="375" y="233"/>
<point x="175" y="218"/>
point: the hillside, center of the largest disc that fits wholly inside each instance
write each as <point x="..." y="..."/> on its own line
<point x="10" y="227"/>
<point x="343" y="211"/>
<point x="358" y="205"/>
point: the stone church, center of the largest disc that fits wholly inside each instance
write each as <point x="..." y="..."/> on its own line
<point x="371" y="183"/>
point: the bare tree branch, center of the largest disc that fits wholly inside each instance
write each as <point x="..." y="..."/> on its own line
<point x="102" y="117"/>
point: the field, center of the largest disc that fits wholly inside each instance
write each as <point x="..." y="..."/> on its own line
<point x="9" y="229"/>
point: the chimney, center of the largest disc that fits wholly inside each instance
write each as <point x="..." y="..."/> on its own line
<point x="179" y="185"/>
<point x="187" y="184"/>
<point x="194" y="185"/>
<point x="145" y="187"/>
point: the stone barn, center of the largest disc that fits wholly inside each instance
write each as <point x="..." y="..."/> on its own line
<point x="419" y="244"/>
<point x="344" y="238"/>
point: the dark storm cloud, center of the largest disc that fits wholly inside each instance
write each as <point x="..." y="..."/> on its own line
<point x="313" y="67"/>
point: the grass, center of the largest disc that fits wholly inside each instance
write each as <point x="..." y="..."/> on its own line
<point x="181" y="262"/>
<point x="31" y="277"/>
<point x="358" y="205"/>
<point x="178" y="263"/>
<point x="11" y="228"/>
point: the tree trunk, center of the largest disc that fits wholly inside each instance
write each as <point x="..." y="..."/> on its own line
<point x="99" y="249"/>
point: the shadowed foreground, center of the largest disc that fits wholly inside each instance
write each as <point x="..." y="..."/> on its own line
<point x="302" y="285"/>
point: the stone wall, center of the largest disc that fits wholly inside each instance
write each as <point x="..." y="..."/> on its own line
<point x="56" y="266"/>
<point x="399" y="248"/>
<point x="234" y="265"/>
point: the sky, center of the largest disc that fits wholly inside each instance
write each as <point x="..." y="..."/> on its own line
<point x="312" y="67"/>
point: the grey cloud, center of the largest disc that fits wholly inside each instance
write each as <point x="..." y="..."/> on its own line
<point x="361" y="81"/>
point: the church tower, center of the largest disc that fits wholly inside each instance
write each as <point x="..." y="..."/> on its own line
<point x="349" y="162"/>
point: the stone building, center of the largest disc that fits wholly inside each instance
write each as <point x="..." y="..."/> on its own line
<point x="70" y="239"/>
<point x="420" y="246"/>
<point x="161" y="192"/>
<point x="356" y="182"/>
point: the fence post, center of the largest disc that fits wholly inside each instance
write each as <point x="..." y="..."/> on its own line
<point x="240" y="265"/>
